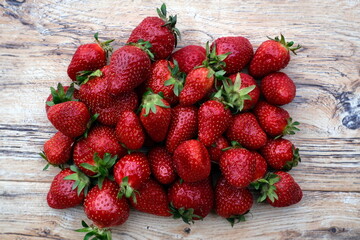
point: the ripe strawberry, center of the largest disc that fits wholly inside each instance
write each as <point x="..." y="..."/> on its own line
<point x="232" y="203"/>
<point x="189" y="57"/>
<point x="278" y="88"/>
<point x="238" y="167"/>
<point x="62" y="94"/>
<point x="191" y="201"/>
<point x="89" y="57"/>
<point x="182" y="127"/>
<point x="280" y="190"/>
<point x="214" y="119"/>
<point x="67" y="116"/>
<point x="216" y="149"/>
<point x="271" y="56"/>
<point x="159" y="31"/>
<point x="192" y="161"/>
<point x="152" y="198"/>
<point x="240" y="49"/>
<point x="260" y="166"/>
<point x="280" y="154"/>
<point x="130" y="172"/>
<point x="162" y="165"/>
<point x="274" y="120"/>
<point x="155" y="116"/>
<point x="129" y="131"/>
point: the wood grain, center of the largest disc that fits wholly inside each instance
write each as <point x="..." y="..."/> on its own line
<point x="38" y="39"/>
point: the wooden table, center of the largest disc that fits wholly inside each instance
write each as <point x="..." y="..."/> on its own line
<point x="38" y="39"/>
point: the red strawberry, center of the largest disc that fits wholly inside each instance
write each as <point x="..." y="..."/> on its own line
<point x="260" y="166"/>
<point x="214" y="119"/>
<point x="278" y="88"/>
<point x="129" y="131"/>
<point x="240" y="49"/>
<point x="281" y="154"/>
<point x="191" y="201"/>
<point x="152" y="198"/>
<point x="57" y="150"/>
<point x="232" y="203"/>
<point x="238" y="167"/>
<point x="62" y="94"/>
<point x="246" y="130"/>
<point x="274" y="120"/>
<point x="192" y="161"/>
<point x="89" y="57"/>
<point x="189" y="57"/>
<point x="155" y="116"/>
<point x="62" y="193"/>
<point x="130" y="172"/>
<point x="182" y="127"/>
<point x="162" y="165"/>
<point x="271" y="56"/>
<point x="216" y="149"/>
<point x="159" y="31"/>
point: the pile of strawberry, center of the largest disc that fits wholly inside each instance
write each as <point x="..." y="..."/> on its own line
<point x="172" y="133"/>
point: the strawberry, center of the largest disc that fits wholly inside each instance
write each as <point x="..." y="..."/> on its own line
<point x="155" y="116"/>
<point x="152" y="198"/>
<point x="216" y="149"/>
<point x="240" y="49"/>
<point x="67" y="116"/>
<point x="191" y="201"/>
<point x="62" y="94"/>
<point x="192" y="161"/>
<point x="278" y="88"/>
<point x="129" y="131"/>
<point x="274" y="120"/>
<point x="159" y="31"/>
<point x="271" y="56"/>
<point x="162" y="165"/>
<point x="189" y="57"/>
<point x="67" y="189"/>
<point x="281" y="154"/>
<point x="130" y="172"/>
<point x="89" y="57"/>
<point x="238" y="167"/>
<point x="232" y="203"/>
<point x="214" y="119"/>
<point x="279" y="189"/>
<point x="246" y="130"/>
<point x="260" y="166"/>
<point x="182" y="127"/>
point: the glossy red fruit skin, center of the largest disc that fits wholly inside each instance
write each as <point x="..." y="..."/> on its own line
<point x="277" y="152"/>
<point x="152" y="198"/>
<point x="183" y="126"/>
<point x="162" y="165"/>
<point x="197" y="85"/>
<point x="189" y="57"/>
<point x="238" y="167"/>
<point x="135" y="166"/>
<point x="214" y="119"/>
<point x="192" y="161"/>
<point x="231" y="201"/>
<point x="87" y="57"/>
<point x="272" y="119"/>
<point x="50" y="97"/>
<point x="61" y="195"/>
<point x="58" y="149"/>
<point x="104" y="208"/>
<point x="241" y="52"/>
<point x="129" y="131"/>
<point x="247" y="81"/>
<point x="129" y="66"/>
<point x="216" y="149"/>
<point x="70" y="118"/>
<point x="288" y="191"/>
<point x="152" y="29"/>
<point x="196" y="195"/>
<point x="271" y="56"/>
<point x="278" y="88"/>
<point x="260" y="166"/>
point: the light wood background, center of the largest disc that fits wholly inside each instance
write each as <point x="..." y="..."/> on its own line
<point x="38" y="38"/>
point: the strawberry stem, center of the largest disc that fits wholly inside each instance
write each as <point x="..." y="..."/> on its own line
<point x="169" y="22"/>
<point x="59" y="95"/>
<point x="94" y="232"/>
<point x="145" y="46"/>
<point x="233" y="219"/>
<point x="127" y="190"/>
<point x="177" y="78"/>
<point x="82" y="181"/>
<point x="287" y="45"/>
<point x="84" y="76"/>
<point x="104" y="45"/>
<point x="266" y="187"/>
<point x="150" y="101"/>
<point x="187" y="215"/>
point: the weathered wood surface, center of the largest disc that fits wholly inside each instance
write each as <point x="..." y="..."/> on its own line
<point x="36" y="44"/>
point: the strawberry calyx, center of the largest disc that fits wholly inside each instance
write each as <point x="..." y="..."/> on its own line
<point x="84" y="76"/>
<point x="294" y="161"/>
<point x="59" y="95"/>
<point x="145" y="46"/>
<point x="150" y="101"/>
<point x="290" y="128"/>
<point x="104" y="45"/>
<point x="89" y="124"/>
<point x="82" y="181"/>
<point x="266" y="187"/>
<point x="233" y="219"/>
<point x="214" y="61"/>
<point x="187" y="215"/>
<point x="169" y="22"/>
<point x="43" y="155"/>
<point x="233" y="144"/>
<point x="94" y="232"/>
<point x="177" y="78"/>
<point x="126" y="190"/>
<point x="288" y="45"/>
